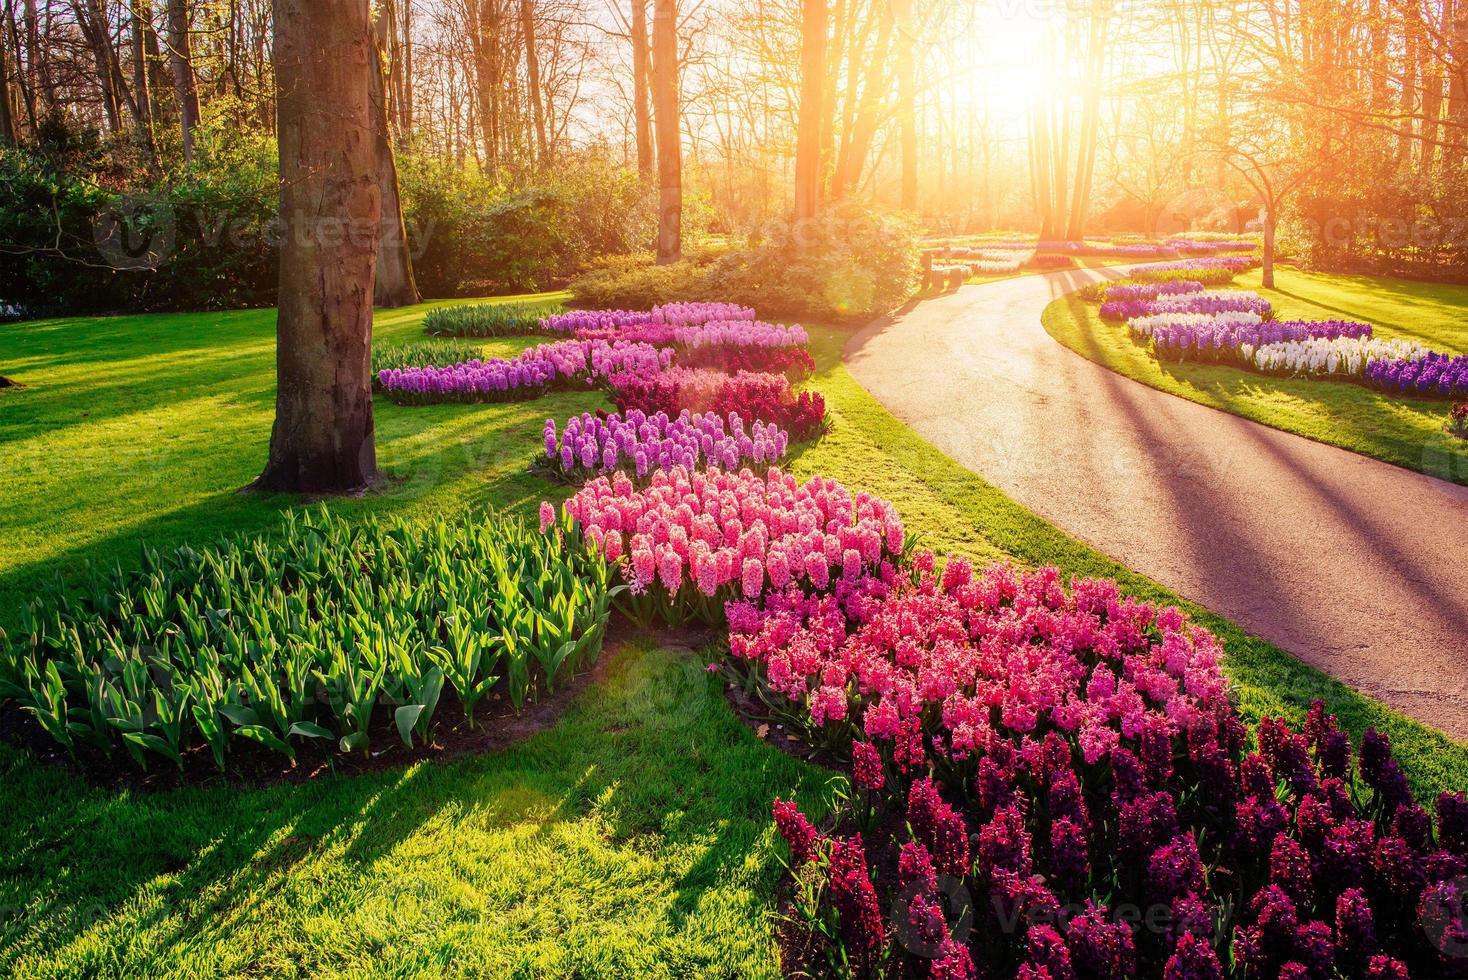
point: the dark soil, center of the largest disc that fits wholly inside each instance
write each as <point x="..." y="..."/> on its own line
<point x="9" y="383"/>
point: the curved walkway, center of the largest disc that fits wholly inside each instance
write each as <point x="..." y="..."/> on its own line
<point x="1355" y="566"/>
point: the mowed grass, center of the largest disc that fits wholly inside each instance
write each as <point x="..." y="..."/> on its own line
<point x="631" y="838"/>
<point x="1407" y="432"/>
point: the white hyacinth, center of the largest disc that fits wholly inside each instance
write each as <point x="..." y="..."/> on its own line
<point x="1342" y="357"/>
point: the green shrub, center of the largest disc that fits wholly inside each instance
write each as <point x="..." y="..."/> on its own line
<point x="849" y="262"/>
<point x="640" y="285"/>
<point x="85" y="234"/>
<point x="488" y="319"/>
<point x="311" y="634"/>
<point x="471" y="235"/>
<point x="422" y="353"/>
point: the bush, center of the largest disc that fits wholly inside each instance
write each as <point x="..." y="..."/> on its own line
<point x="488" y="319"/>
<point x="86" y="235"/>
<point x="471" y="235"/>
<point x="305" y="636"/>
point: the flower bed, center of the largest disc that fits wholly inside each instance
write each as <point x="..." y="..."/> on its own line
<point x="1055" y="784"/>
<point x="1433" y="376"/>
<point x="308" y="635"/>
<point x="592" y="445"/>
<point x="766" y="397"/>
<point x="527" y="375"/>
<point x="694" y="539"/>
<point x="1208" y="276"/>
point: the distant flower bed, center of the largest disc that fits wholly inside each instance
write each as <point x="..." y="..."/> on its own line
<point x="1210" y="302"/>
<point x="1055" y="784"/>
<point x="1208" y="276"/>
<point x="641" y="444"/>
<point x="694" y="539"/>
<point x="715" y="333"/>
<point x="1433" y="375"/>
<point x="531" y="373"/>
<point x="1043" y="260"/>
<point x="1146" y="292"/>
<point x="762" y="396"/>
<point x="1234" y="264"/>
<point x="670" y="314"/>
<point x="487" y="319"/>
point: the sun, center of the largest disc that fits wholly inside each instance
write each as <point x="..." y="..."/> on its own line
<point x="1000" y="57"/>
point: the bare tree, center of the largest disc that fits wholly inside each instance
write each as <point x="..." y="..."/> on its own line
<point x="181" y="59"/>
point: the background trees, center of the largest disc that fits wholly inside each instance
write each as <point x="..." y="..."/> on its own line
<point x="523" y="130"/>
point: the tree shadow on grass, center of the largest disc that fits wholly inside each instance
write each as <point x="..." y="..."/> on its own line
<point x="648" y="781"/>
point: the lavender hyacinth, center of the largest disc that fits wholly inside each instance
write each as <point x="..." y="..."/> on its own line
<point x="527" y="375"/>
<point x="1210" y="302"/>
<point x="1233" y="337"/>
<point x="641" y="444"/>
<point x="1147" y="292"/>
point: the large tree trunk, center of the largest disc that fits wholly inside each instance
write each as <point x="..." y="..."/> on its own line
<point x="641" y="112"/>
<point x="395" y="284"/>
<point x="812" y="108"/>
<point x="330" y="208"/>
<point x="181" y="60"/>
<point x="665" y="110"/>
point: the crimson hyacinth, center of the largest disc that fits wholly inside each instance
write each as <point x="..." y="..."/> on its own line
<point x="938" y="827"/>
<point x="798" y="831"/>
<point x="1192" y="959"/>
<point x="866" y="763"/>
<point x="855" y="899"/>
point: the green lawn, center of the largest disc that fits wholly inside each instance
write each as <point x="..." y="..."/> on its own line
<point x="1405" y="431"/>
<point x="631" y="838"/>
